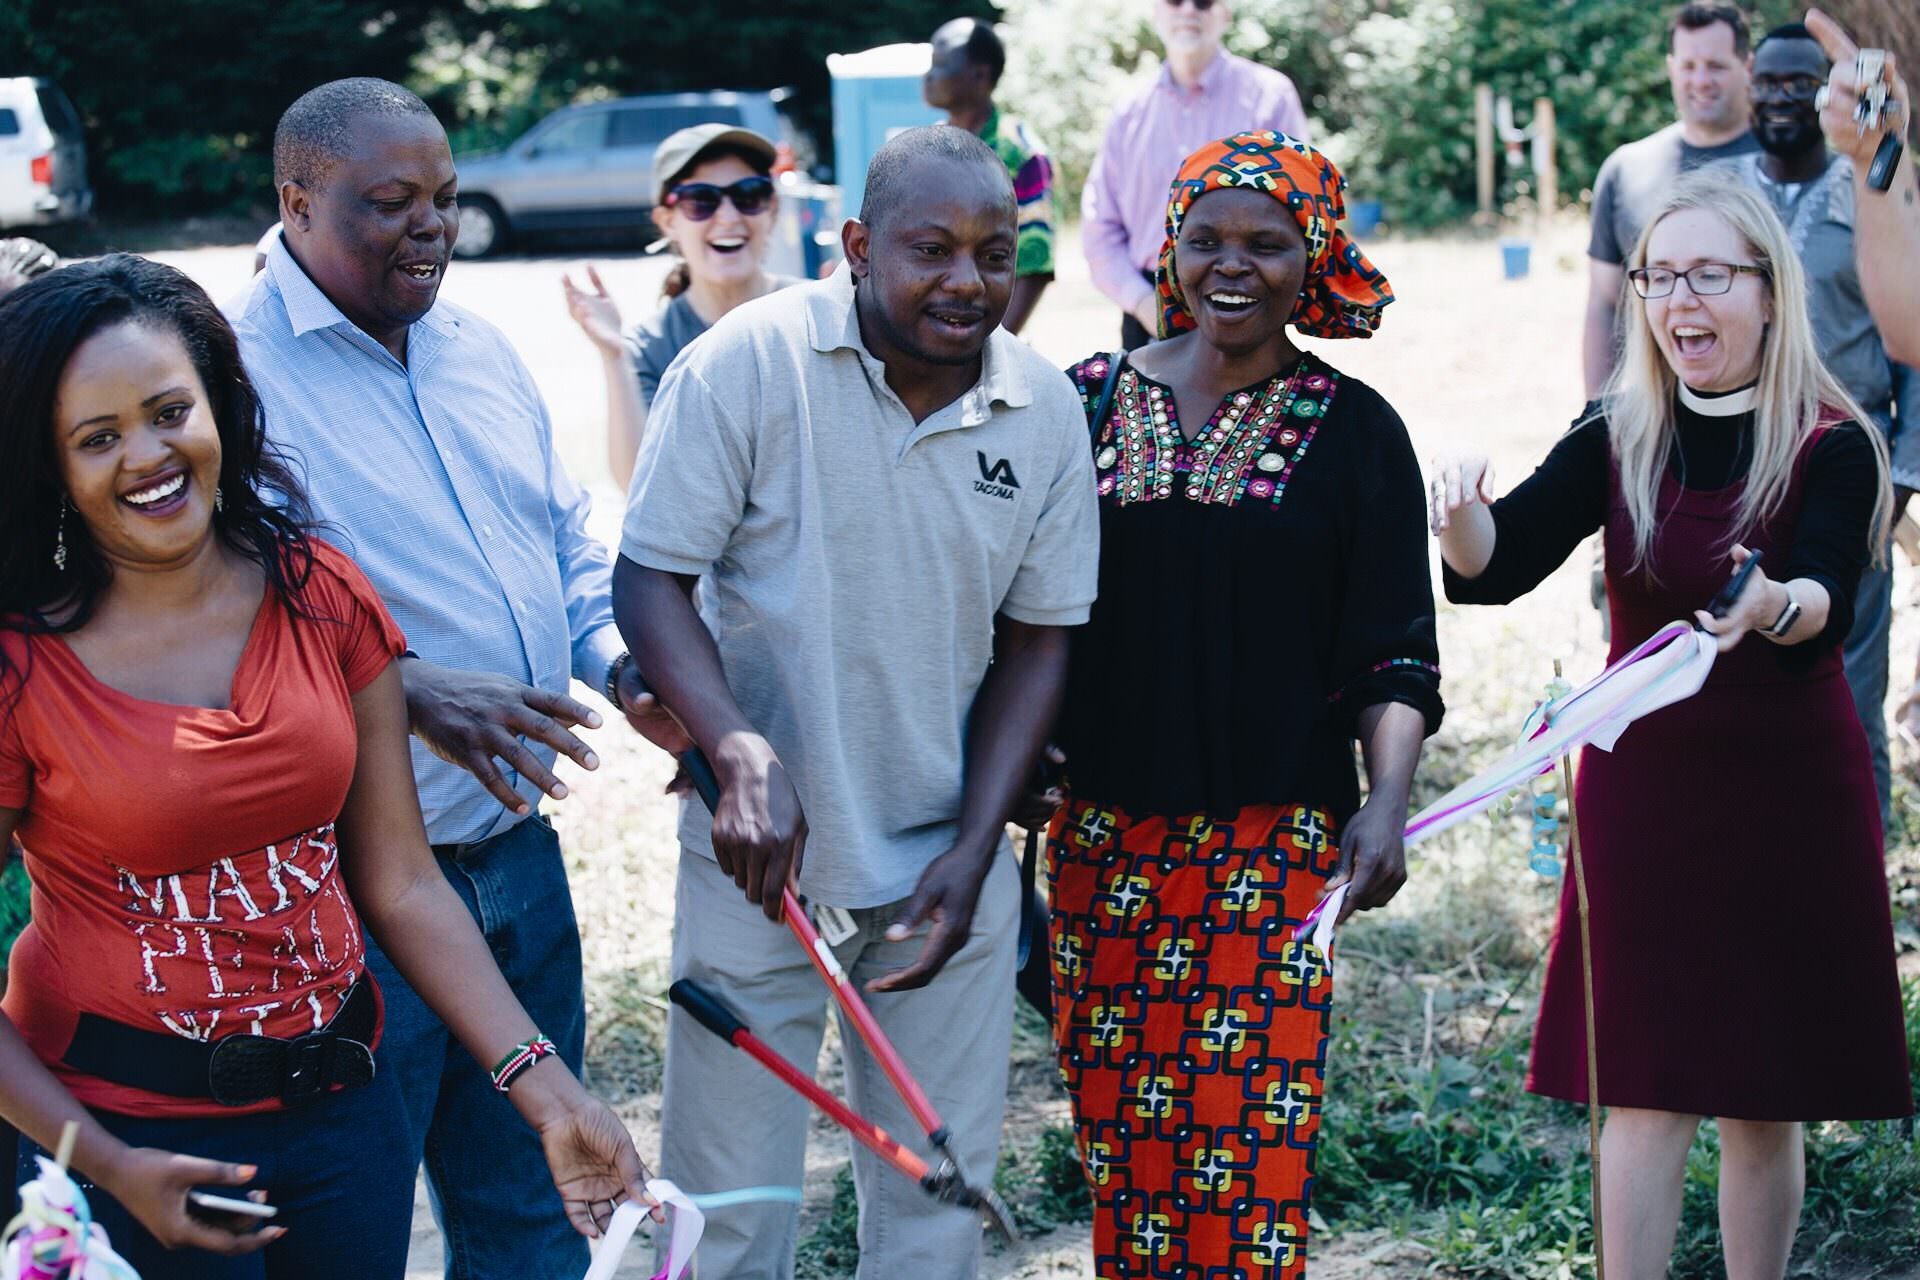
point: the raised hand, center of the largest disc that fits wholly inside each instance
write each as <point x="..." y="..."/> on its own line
<point x="1842" y="94"/>
<point x="595" y="311"/>
<point x="1459" y="480"/>
<point x="474" y="719"/>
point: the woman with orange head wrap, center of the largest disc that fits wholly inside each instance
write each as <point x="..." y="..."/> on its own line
<point x="1264" y="601"/>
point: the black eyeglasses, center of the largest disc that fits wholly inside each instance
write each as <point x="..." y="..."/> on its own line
<point x="701" y="200"/>
<point x="1705" y="280"/>
<point x="1199" y="6"/>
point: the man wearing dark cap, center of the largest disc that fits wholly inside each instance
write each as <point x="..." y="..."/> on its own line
<point x="427" y="452"/>
<point x="888" y="504"/>
<point x="968" y="60"/>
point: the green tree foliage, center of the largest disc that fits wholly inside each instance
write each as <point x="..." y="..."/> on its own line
<point x="1070" y="65"/>
<point x="567" y="49"/>
<point x="1602" y="62"/>
<point x="1388" y="83"/>
<point x="180" y="99"/>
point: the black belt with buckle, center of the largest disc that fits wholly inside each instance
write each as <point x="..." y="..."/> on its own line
<point x="237" y="1070"/>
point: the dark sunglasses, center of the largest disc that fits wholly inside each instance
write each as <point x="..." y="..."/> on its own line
<point x="701" y="200"/>
<point x="1199" y="6"/>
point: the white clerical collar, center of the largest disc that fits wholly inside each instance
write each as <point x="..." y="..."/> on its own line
<point x="1730" y="404"/>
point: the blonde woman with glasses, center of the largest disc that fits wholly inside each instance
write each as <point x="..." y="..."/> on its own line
<point x="1742" y="942"/>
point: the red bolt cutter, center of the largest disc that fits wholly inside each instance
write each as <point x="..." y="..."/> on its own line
<point x="948" y="1180"/>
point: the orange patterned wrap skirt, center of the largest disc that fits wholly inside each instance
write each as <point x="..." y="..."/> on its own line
<point x="1191" y="1033"/>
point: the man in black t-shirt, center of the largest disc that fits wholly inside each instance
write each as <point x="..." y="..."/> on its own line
<point x="1709" y="60"/>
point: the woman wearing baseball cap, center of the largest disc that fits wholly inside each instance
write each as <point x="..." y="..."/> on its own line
<point x="715" y="204"/>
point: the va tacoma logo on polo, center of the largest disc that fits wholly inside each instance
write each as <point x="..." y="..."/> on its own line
<point x="997" y="479"/>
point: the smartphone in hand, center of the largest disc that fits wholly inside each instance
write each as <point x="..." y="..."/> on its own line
<point x="212" y="1206"/>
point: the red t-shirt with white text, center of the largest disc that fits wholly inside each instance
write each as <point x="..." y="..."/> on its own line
<point x="186" y="879"/>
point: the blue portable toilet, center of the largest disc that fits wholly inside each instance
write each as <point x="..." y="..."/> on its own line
<point x="876" y="94"/>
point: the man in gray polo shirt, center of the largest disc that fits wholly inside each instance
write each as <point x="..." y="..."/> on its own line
<point x="890" y="503"/>
<point x="1812" y="189"/>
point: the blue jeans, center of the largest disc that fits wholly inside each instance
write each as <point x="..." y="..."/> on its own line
<point x="1865" y="654"/>
<point x="492" y="1193"/>
<point x="1905" y="447"/>
<point x="338" y="1170"/>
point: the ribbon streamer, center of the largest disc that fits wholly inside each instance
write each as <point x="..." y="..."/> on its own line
<point x="54" y="1237"/>
<point x="1667" y="667"/>
<point x="687" y="1219"/>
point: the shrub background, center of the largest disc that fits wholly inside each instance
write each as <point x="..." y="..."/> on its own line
<point x="180" y="100"/>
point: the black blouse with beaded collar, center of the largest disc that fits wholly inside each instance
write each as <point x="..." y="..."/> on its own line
<point x="1260" y="584"/>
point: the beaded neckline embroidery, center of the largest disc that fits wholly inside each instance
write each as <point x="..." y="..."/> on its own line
<point x="1249" y="448"/>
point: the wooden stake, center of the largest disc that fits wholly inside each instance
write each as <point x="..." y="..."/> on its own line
<point x="1483" y="149"/>
<point x="1546" y="171"/>
<point x="64" y="1153"/>
<point x="1586" y="978"/>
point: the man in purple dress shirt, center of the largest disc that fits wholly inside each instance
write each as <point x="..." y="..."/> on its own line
<point x="1202" y="93"/>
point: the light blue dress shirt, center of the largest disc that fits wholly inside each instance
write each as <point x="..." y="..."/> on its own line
<point x="439" y="478"/>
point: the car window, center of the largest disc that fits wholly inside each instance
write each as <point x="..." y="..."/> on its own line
<point x="646" y="126"/>
<point x="576" y="134"/>
<point x="9" y="122"/>
<point x="636" y="127"/>
<point x="59" y="112"/>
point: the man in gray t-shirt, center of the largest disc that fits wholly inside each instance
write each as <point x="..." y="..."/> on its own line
<point x="888" y="503"/>
<point x="1636" y="177"/>
<point x="1812" y="190"/>
<point x="1707" y="66"/>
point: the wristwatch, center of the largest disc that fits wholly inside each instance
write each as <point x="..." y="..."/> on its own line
<point x="1784" y="623"/>
<point x="614" y="671"/>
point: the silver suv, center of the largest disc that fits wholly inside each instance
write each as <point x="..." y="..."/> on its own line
<point x="43" y="155"/>
<point x="586" y="168"/>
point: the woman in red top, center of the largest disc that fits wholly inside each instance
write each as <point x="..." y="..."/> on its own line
<point x="203" y="749"/>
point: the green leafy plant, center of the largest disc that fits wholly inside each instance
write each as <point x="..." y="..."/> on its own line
<point x="832" y="1249"/>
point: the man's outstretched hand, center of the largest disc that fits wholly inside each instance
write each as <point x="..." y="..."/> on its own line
<point x="476" y="720"/>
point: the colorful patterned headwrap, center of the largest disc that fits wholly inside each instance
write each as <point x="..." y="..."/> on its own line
<point x="1342" y="293"/>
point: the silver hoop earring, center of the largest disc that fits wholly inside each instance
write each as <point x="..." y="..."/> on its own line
<point x="60" y="540"/>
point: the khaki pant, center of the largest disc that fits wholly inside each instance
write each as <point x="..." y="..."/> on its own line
<point x="728" y="1123"/>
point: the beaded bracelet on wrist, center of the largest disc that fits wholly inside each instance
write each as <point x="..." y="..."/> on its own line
<point x="519" y="1059"/>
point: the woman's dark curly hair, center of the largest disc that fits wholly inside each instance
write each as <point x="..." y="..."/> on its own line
<point x="41" y="325"/>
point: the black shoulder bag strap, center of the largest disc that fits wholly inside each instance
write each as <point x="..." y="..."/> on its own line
<point x="1104" y="406"/>
<point x="1033" y="979"/>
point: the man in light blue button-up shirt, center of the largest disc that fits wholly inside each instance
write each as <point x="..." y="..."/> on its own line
<point x="428" y="454"/>
<point x="439" y="476"/>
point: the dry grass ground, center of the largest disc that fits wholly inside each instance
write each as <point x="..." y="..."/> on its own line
<point x="1465" y="356"/>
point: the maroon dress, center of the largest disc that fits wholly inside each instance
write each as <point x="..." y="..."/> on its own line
<point x="1742" y="941"/>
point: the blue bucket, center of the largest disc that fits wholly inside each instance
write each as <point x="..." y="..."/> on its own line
<point x="1515" y="258"/>
<point x="1363" y="217"/>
